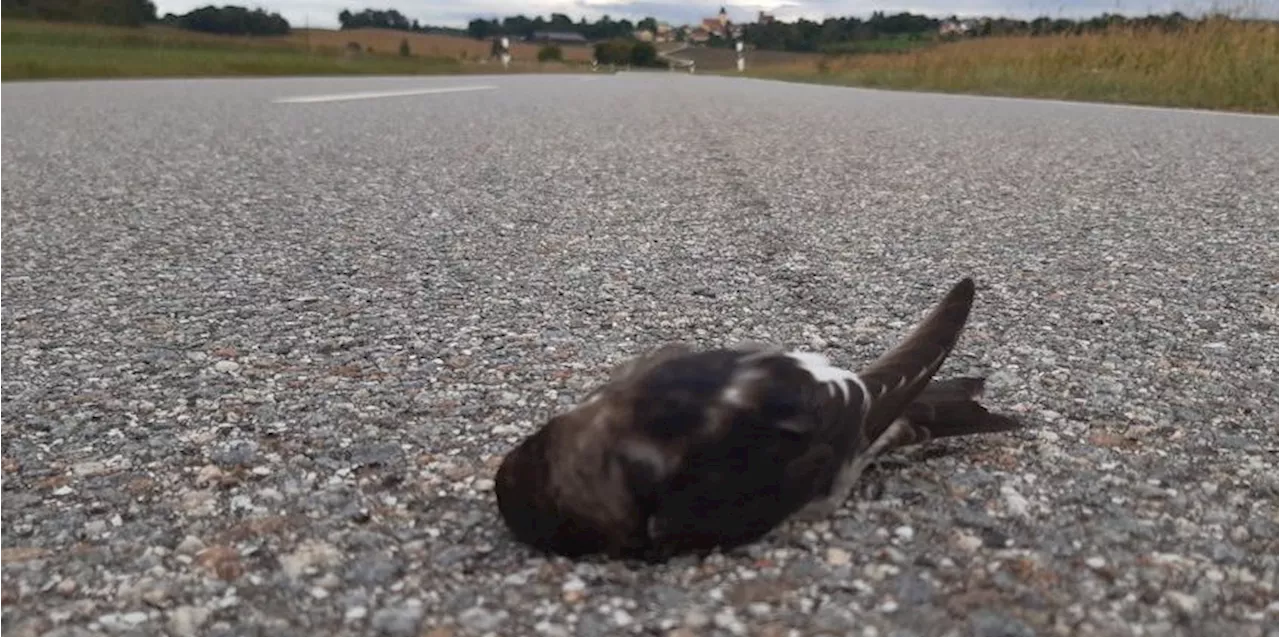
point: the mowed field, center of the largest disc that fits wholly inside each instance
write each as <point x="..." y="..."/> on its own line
<point x="387" y="41"/>
<point x="42" y="50"/>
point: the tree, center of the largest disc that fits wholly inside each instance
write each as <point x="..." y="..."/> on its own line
<point x="481" y="29"/>
<point x="232" y="20"/>
<point x="374" y="18"/>
<point x="647" y="24"/>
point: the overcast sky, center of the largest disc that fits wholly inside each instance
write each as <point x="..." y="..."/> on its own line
<point x="456" y="13"/>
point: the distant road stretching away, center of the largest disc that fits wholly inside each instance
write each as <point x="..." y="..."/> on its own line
<point x="264" y="341"/>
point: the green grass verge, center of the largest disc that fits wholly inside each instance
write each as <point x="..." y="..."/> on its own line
<point x="34" y="50"/>
<point x="28" y="62"/>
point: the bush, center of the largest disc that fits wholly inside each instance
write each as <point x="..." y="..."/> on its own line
<point x="617" y="51"/>
<point x="550" y="53"/>
<point x="404" y="47"/>
<point x="643" y="54"/>
<point x="624" y="51"/>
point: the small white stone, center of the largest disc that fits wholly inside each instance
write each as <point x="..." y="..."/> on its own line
<point x="1014" y="502"/>
<point x="729" y="621"/>
<point x="1186" y="604"/>
<point x="63" y="490"/>
<point x="878" y="572"/>
<point x="889" y="606"/>
<point x="208" y="474"/>
<point x="184" y="621"/>
<point x="838" y="556"/>
<point x="190" y="545"/>
<point x="483" y="484"/>
<point x="356" y="612"/>
<point x="695" y="618"/>
<point x="549" y="629"/>
<point x="1095" y="562"/>
<point x="1214" y="575"/>
<point x="622" y="617"/>
<point x="904" y="533"/>
<point x="968" y="542"/>
<point x="89" y="468"/>
<point x="319" y="593"/>
<point x="226" y="367"/>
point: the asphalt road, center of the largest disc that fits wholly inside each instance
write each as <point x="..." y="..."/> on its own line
<point x="259" y="357"/>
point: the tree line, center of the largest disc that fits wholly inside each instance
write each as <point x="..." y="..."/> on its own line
<point x="226" y="20"/>
<point x="832" y="34"/>
<point x="388" y="19"/>
<point x="521" y="26"/>
<point x="128" y="13"/>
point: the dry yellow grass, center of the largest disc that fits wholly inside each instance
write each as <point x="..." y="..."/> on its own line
<point x="1217" y="64"/>
<point x="387" y="41"/>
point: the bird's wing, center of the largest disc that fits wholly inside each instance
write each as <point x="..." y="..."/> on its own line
<point x="754" y="440"/>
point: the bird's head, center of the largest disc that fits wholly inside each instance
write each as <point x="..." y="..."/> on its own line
<point x="555" y="494"/>
<point x="520" y="487"/>
<point x="568" y="488"/>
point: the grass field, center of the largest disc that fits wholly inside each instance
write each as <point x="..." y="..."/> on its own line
<point x="44" y="50"/>
<point x="1215" y="64"/>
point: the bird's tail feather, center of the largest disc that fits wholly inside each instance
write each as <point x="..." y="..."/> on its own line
<point x="949" y="408"/>
<point x="900" y="375"/>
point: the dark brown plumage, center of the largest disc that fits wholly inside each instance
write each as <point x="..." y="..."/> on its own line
<point x="688" y="451"/>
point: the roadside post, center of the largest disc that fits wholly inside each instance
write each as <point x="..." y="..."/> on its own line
<point x="742" y="60"/>
<point x="506" y="52"/>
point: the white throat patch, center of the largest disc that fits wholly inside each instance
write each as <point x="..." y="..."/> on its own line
<point x="821" y="369"/>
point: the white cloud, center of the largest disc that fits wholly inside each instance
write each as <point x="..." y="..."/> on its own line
<point x="456" y="13"/>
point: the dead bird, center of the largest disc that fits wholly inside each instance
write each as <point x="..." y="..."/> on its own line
<point x="689" y="451"/>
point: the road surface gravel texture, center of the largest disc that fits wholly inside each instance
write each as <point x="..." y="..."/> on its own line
<point x="260" y="359"/>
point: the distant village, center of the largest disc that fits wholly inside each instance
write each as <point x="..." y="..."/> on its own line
<point x="717" y="26"/>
